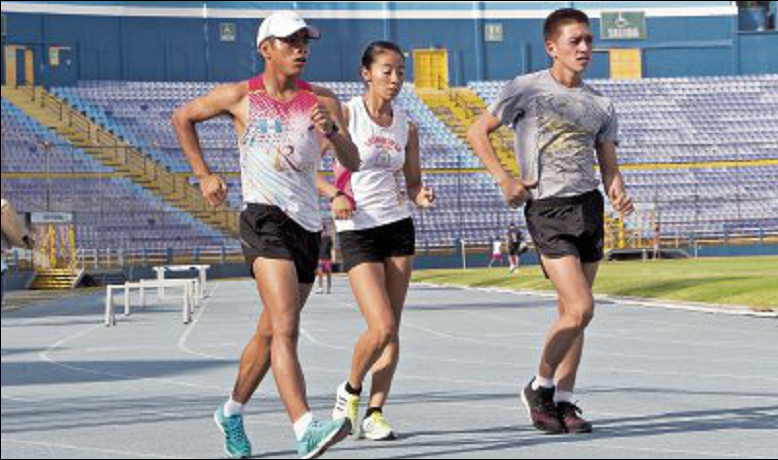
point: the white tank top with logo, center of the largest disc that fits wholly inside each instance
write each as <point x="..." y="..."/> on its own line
<point x="281" y="154"/>
<point x="377" y="190"/>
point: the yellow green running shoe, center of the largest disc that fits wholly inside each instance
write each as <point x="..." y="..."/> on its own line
<point x="346" y="406"/>
<point x="377" y="428"/>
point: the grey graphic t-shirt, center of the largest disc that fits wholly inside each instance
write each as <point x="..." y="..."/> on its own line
<point x="557" y="131"/>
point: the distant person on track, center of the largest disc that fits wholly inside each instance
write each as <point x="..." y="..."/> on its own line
<point x="514" y="241"/>
<point x="657" y="241"/>
<point x="496" y="254"/>
<point x="326" y="258"/>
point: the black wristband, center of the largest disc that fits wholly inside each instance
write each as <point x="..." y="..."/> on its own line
<point x="337" y="195"/>
<point x="335" y="130"/>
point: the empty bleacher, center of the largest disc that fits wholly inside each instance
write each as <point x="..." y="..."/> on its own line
<point x="44" y="174"/>
<point x="699" y="152"/>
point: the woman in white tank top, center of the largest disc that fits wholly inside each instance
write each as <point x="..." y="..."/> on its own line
<point x="376" y="230"/>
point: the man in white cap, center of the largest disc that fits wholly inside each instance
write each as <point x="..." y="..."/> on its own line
<point x="283" y="126"/>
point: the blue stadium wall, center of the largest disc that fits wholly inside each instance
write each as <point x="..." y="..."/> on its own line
<point x="180" y="41"/>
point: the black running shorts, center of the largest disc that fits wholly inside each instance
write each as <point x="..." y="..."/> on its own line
<point x="574" y="226"/>
<point x="375" y="245"/>
<point x="518" y="249"/>
<point x="267" y="232"/>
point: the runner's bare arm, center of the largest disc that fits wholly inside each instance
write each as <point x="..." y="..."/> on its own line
<point x="324" y="187"/>
<point x="515" y="192"/>
<point x="341" y="205"/>
<point x="327" y="113"/>
<point x="423" y="197"/>
<point x="222" y="101"/>
<point x="613" y="179"/>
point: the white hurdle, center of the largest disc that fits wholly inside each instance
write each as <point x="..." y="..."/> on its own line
<point x="190" y="298"/>
<point x="202" y="275"/>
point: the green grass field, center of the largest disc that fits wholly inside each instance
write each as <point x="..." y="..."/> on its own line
<point x="750" y="282"/>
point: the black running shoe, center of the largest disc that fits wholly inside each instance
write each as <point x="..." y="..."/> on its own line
<point x="542" y="410"/>
<point x="570" y="416"/>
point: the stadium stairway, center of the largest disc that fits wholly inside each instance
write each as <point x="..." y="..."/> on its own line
<point x="57" y="279"/>
<point x="119" y="155"/>
<point x="458" y="108"/>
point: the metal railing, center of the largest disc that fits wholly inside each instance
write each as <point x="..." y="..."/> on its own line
<point x="107" y="259"/>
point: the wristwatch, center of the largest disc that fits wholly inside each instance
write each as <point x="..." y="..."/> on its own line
<point x="335" y="130"/>
<point x="337" y="195"/>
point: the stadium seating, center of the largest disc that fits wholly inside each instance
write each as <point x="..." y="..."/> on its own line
<point x="691" y="147"/>
<point x="696" y="122"/>
<point x="109" y="212"/>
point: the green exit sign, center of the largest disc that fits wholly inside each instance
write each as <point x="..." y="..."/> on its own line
<point x="623" y="26"/>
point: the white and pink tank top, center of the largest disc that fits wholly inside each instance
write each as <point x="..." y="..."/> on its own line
<point x="377" y="190"/>
<point x="280" y="154"/>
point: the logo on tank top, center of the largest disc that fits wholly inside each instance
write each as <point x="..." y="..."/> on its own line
<point x="268" y="126"/>
<point x="288" y="161"/>
<point x="383" y="159"/>
<point x="384" y="151"/>
<point x="264" y="132"/>
<point x="383" y="142"/>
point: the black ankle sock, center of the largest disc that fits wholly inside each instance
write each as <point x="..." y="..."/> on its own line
<point x="353" y="392"/>
<point x="374" y="410"/>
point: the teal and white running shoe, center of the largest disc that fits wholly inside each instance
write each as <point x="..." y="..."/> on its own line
<point x="321" y="436"/>
<point x="236" y="443"/>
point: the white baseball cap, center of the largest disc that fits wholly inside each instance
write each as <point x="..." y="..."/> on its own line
<point x="284" y="24"/>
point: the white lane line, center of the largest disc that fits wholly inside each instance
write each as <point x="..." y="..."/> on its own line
<point x="184" y="339"/>
<point x="626" y="301"/>
<point x="46" y="356"/>
<point x="463" y="339"/>
<point x="595" y="333"/>
<point x="468" y="340"/>
<point x="649" y="303"/>
<point x="19" y="399"/>
<point x="622" y="370"/>
<point x="628" y="336"/>
<point x="52" y="445"/>
<point x="594" y="444"/>
<point x="469" y="382"/>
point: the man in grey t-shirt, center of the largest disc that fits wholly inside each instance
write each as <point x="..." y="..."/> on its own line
<point x="557" y="130"/>
<point x="561" y="126"/>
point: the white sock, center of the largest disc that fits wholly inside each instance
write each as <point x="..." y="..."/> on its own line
<point x="301" y="426"/>
<point x="563" y="397"/>
<point x="233" y="408"/>
<point x="541" y="382"/>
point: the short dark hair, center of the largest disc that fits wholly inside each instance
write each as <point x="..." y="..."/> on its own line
<point x="377" y="48"/>
<point x="560" y="18"/>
